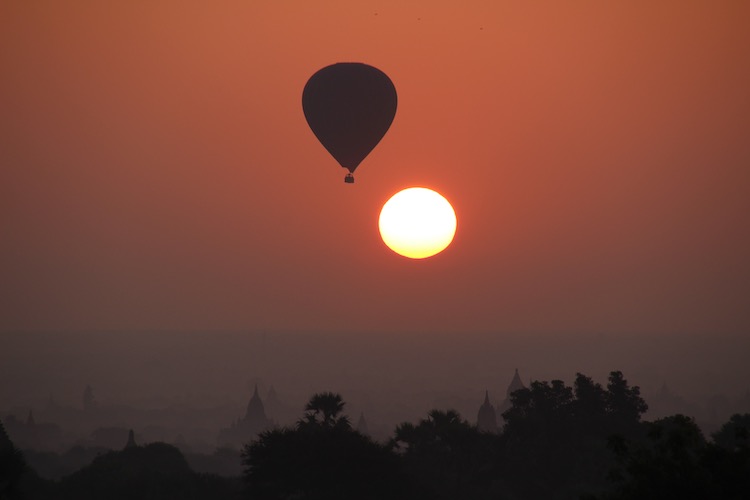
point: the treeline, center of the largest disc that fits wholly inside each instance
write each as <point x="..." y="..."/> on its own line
<point x="584" y="441"/>
<point x="558" y="442"/>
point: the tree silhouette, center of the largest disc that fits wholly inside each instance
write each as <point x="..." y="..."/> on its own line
<point x="12" y="465"/>
<point x="322" y="458"/>
<point x="624" y="404"/>
<point x="735" y="434"/>
<point x="544" y="407"/>
<point x="537" y="441"/>
<point x="324" y="409"/>
<point x="590" y="405"/>
<point x="446" y="456"/>
<point x="674" y="461"/>
<point x="554" y="443"/>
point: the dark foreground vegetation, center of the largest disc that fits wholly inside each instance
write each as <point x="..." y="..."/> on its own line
<point x="558" y="442"/>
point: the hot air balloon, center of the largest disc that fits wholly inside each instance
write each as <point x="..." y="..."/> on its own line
<point x="349" y="107"/>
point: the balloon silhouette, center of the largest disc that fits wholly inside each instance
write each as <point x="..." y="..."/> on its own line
<point x="349" y="107"/>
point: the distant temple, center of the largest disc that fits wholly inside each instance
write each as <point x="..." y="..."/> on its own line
<point x="131" y="440"/>
<point x="89" y="401"/>
<point x="272" y="399"/>
<point x="488" y="415"/>
<point x="245" y="429"/>
<point x="362" y="425"/>
<point x="514" y="385"/>
<point x="486" y="418"/>
<point x="33" y="435"/>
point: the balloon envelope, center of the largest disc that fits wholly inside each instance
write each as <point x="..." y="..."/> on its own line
<point x="349" y="107"/>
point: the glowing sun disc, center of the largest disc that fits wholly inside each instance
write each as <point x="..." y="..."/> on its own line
<point x="417" y="223"/>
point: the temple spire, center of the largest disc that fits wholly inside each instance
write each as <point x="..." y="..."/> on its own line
<point x="255" y="409"/>
<point x="515" y="384"/>
<point x="362" y="424"/>
<point x="487" y="418"/>
<point x="131" y="440"/>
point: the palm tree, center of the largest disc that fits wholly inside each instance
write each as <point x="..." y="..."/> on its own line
<point x="323" y="410"/>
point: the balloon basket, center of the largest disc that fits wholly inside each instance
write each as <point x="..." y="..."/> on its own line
<point x="349" y="179"/>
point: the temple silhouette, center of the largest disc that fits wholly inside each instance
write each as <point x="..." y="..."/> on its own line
<point x="487" y="417"/>
<point x="362" y="425"/>
<point x="245" y="429"/>
<point x="514" y="385"/>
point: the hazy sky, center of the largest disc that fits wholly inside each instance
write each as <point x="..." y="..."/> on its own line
<point x="157" y="171"/>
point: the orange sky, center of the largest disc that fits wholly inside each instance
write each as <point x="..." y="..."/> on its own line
<point x="157" y="171"/>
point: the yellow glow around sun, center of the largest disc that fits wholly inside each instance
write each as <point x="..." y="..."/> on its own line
<point x="417" y="223"/>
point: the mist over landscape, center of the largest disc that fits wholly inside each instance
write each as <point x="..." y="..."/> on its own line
<point x="208" y="377"/>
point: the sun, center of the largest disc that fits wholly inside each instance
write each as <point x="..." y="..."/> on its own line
<point x="417" y="223"/>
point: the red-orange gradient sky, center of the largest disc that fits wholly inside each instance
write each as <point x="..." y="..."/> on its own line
<point x="157" y="171"/>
